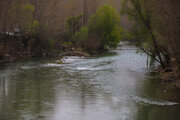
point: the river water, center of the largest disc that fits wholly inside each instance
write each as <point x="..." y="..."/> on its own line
<point x="118" y="86"/>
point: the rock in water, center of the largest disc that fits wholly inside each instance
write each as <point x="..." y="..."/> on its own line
<point x="60" y="62"/>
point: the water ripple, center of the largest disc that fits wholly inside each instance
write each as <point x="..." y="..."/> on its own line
<point x="152" y="102"/>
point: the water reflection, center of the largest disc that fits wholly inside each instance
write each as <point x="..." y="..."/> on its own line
<point x="117" y="87"/>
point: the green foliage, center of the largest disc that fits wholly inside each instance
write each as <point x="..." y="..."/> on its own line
<point x="73" y="25"/>
<point x="80" y="37"/>
<point x="31" y="25"/>
<point x="28" y="9"/>
<point x="37" y="33"/>
<point x="50" y="44"/>
<point x="103" y="29"/>
<point x="105" y="25"/>
<point x="27" y="13"/>
<point x="67" y="43"/>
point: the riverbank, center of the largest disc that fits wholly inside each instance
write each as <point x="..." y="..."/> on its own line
<point x="171" y="74"/>
<point x="12" y="58"/>
<point x="7" y="58"/>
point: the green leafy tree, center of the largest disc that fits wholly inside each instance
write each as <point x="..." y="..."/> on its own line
<point x="105" y="24"/>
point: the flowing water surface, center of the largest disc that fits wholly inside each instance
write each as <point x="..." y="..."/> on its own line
<point x="114" y="87"/>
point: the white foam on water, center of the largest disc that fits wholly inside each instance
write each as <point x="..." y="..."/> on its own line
<point x="152" y="102"/>
<point x="70" y="59"/>
<point x="51" y="65"/>
<point x="87" y="68"/>
<point x="25" y="67"/>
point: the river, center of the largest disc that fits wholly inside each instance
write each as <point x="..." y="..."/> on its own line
<point x="118" y="86"/>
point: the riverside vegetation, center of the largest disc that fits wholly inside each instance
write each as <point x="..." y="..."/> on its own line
<point x="42" y="28"/>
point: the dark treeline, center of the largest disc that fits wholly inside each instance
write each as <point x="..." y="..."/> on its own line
<point x="31" y="27"/>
